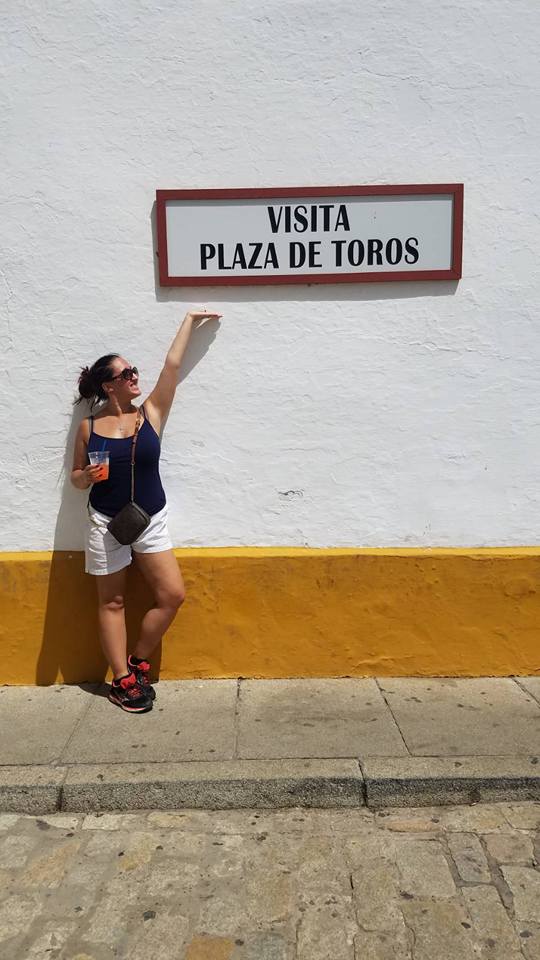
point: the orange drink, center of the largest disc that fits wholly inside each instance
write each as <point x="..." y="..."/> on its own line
<point x="100" y="458"/>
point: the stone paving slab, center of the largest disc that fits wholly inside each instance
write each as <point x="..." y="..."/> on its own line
<point x="315" y="718"/>
<point x="531" y="685"/>
<point x="191" y="719"/>
<point x="474" y="716"/>
<point x="37" y="722"/>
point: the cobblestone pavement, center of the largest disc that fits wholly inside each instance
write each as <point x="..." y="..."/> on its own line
<point x="437" y="883"/>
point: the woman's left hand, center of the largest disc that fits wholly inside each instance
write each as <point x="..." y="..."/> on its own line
<point x="202" y="315"/>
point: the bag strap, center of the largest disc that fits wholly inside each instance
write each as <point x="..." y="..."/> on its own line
<point x="90" y="428"/>
<point x="133" y="442"/>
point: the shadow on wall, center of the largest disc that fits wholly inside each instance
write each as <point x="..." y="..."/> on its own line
<point x="70" y="628"/>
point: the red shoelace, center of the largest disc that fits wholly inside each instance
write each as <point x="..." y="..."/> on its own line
<point x="143" y="665"/>
<point x="130" y="685"/>
<point x="144" y="668"/>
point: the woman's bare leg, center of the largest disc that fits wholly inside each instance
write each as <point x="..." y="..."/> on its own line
<point x="161" y="572"/>
<point x="111" y="590"/>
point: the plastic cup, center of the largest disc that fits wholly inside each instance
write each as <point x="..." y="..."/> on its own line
<point x="100" y="458"/>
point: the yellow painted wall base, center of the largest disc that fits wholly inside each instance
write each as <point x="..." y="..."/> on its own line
<point x="279" y="612"/>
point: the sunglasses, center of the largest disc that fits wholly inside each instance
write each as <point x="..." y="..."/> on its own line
<point x="127" y="374"/>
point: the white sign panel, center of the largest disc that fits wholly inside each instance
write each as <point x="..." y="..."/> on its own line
<point x="310" y="235"/>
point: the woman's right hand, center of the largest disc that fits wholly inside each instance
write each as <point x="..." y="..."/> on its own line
<point x="92" y="473"/>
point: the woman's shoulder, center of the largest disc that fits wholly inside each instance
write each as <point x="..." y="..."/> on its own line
<point x="85" y="429"/>
<point x="149" y="414"/>
<point x="100" y="415"/>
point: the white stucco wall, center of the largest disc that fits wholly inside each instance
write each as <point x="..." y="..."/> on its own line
<point x="345" y="415"/>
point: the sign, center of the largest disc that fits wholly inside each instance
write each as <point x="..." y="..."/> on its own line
<point x="310" y="234"/>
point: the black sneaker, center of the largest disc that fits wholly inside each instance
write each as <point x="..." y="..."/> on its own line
<point x="128" y="695"/>
<point x="141" y="671"/>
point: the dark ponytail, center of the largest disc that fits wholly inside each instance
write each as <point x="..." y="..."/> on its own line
<point x="92" y="378"/>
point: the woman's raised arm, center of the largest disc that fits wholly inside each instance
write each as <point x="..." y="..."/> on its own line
<point x="159" y="401"/>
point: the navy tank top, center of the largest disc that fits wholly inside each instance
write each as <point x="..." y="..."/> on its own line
<point x="109" y="496"/>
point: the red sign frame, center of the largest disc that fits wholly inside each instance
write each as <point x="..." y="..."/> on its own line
<point x="246" y="193"/>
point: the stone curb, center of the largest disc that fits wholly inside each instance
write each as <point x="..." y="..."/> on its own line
<point x="215" y="785"/>
<point x="32" y="789"/>
<point x="230" y="784"/>
<point x="234" y="784"/>
<point x="423" y="781"/>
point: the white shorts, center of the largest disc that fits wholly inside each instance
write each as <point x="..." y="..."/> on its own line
<point x="103" y="553"/>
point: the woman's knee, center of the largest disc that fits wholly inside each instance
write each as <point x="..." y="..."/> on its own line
<point x="111" y="590"/>
<point x="172" y="597"/>
<point x="113" y="604"/>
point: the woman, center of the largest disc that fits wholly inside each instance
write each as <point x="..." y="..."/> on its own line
<point x="114" y="380"/>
